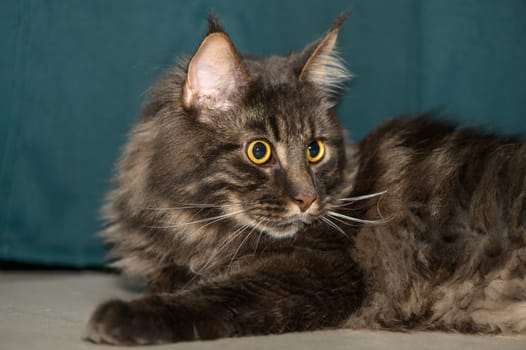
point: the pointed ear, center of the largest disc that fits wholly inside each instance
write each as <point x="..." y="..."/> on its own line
<point x="214" y="74"/>
<point x="324" y="67"/>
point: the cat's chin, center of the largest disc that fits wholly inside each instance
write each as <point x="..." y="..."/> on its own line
<point x="286" y="228"/>
<point x="281" y="231"/>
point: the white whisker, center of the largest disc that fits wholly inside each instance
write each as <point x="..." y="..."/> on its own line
<point x="344" y="205"/>
<point x="180" y="206"/>
<point x="334" y="226"/>
<point x="257" y="242"/>
<point x="359" y="198"/>
<point x="350" y="218"/>
<point x="232" y="237"/>
<point x="184" y="207"/>
<point x="209" y="220"/>
<point x="343" y="222"/>
<point x="225" y="243"/>
<point x="241" y="244"/>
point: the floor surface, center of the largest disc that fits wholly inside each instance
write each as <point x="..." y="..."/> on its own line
<point x="47" y="310"/>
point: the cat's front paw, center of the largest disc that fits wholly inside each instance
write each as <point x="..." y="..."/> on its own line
<point x="128" y="323"/>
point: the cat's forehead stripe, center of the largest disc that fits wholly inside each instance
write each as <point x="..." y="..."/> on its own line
<point x="274" y="127"/>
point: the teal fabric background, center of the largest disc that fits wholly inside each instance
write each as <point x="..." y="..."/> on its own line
<point x="73" y="73"/>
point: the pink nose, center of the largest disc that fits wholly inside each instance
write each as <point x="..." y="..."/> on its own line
<point x="303" y="201"/>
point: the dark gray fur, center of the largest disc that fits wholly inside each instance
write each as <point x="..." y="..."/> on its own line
<point x="443" y="248"/>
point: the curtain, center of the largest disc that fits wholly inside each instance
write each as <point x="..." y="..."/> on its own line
<point x="74" y="72"/>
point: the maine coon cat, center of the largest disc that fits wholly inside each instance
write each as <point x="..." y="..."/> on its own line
<point x="238" y="199"/>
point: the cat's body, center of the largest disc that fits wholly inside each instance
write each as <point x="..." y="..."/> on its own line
<point x="452" y="257"/>
<point x="420" y="226"/>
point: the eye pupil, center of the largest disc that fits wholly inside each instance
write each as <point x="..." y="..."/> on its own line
<point x="259" y="150"/>
<point x="314" y="149"/>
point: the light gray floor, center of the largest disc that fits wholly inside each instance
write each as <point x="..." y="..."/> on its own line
<point x="47" y="310"/>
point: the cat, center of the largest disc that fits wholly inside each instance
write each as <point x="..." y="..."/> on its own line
<point x="240" y="202"/>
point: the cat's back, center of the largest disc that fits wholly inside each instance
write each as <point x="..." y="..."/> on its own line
<point x="455" y="206"/>
<point x="430" y="149"/>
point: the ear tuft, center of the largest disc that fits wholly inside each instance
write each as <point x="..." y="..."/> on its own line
<point x="214" y="24"/>
<point x="324" y="67"/>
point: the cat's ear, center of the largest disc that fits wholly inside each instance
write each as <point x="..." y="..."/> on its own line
<point x="215" y="72"/>
<point x="323" y="66"/>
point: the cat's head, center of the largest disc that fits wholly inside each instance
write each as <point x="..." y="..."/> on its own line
<point x="254" y="141"/>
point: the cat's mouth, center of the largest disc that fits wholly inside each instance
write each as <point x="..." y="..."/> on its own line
<point x="276" y="221"/>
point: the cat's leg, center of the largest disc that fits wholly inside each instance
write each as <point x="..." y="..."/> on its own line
<point x="293" y="292"/>
<point x="494" y="303"/>
<point x="502" y="307"/>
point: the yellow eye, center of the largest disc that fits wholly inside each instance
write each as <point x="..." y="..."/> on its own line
<point x="315" y="151"/>
<point x="259" y="151"/>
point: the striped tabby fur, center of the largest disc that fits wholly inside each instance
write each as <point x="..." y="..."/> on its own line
<point x="422" y="225"/>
